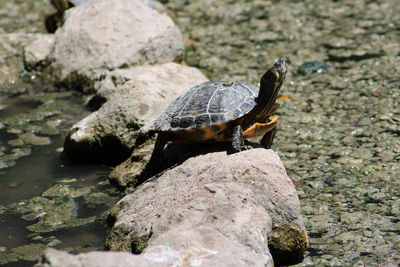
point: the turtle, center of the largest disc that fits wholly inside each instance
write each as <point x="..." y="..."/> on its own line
<point x="222" y="112"/>
<point x="55" y="20"/>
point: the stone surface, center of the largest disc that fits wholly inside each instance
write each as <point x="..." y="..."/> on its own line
<point x="110" y="35"/>
<point x="55" y="258"/>
<point x="129" y="172"/>
<point x="32" y="139"/>
<point x="111" y="132"/>
<point x="37" y="52"/>
<point x="245" y="198"/>
<point x="11" y="62"/>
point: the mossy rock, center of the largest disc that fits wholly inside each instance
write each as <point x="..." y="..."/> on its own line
<point x="287" y="244"/>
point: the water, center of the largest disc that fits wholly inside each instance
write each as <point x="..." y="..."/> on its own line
<point x="43" y="168"/>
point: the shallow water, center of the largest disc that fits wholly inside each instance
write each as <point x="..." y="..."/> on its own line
<point x="32" y="176"/>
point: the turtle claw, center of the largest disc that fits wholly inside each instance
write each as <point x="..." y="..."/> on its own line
<point x="240" y="149"/>
<point x="246" y="147"/>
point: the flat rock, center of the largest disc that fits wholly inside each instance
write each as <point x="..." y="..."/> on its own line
<point x="111" y="132"/>
<point x="246" y="201"/>
<point x="32" y="139"/>
<point x="106" y="35"/>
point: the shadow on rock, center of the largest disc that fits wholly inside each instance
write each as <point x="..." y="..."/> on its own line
<point x="94" y="152"/>
<point x="237" y="206"/>
<point x="137" y="169"/>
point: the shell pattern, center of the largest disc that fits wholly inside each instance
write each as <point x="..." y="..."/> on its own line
<point x="208" y="104"/>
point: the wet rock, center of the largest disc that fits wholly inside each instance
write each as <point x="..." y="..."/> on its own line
<point x="245" y="201"/>
<point x="99" y="198"/>
<point x="111" y="35"/>
<point x="61" y="190"/>
<point x="6" y="162"/>
<point x="55" y="210"/>
<point x="109" y="133"/>
<point x="312" y="67"/>
<point x="29" y="252"/>
<point x="16" y="142"/>
<point x="32" y="139"/>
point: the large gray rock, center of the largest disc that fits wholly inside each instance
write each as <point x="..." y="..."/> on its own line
<point x="213" y="210"/>
<point x="54" y="258"/>
<point x="110" y="34"/>
<point x="244" y="200"/>
<point x="111" y="132"/>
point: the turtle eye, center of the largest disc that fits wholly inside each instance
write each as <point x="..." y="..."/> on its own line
<point x="280" y="69"/>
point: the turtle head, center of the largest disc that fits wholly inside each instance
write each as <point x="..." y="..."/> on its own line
<point x="272" y="81"/>
<point x="275" y="76"/>
<point x="270" y="84"/>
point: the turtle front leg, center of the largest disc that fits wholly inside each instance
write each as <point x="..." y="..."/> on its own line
<point x="268" y="138"/>
<point x="157" y="155"/>
<point x="237" y="139"/>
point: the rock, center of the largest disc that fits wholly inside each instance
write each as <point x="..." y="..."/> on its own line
<point x="111" y="132"/>
<point x="37" y="52"/>
<point x="128" y="173"/>
<point x="156" y="6"/>
<point x="169" y="79"/>
<point x="243" y="203"/>
<point x="55" y="258"/>
<point x="29" y="252"/>
<point x="11" y="63"/>
<point x="55" y="210"/>
<point x="150" y="3"/>
<point x="55" y="20"/>
<point x="110" y="35"/>
<point x="312" y="67"/>
<point x="32" y="139"/>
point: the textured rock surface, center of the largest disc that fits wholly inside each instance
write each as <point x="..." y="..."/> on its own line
<point x="239" y="197"/>
<point x="37" y="52"/>
<point x="11" y="62"/>
<point x="111" y="132"/>
<point x="110" y="35"/>
<point x="55" y="258"/>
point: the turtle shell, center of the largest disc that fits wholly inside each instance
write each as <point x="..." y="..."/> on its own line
<point x="208" y="104"/>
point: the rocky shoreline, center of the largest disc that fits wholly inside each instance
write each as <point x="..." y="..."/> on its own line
<point x="212" y="209"/>
<point x="134" y="96"/>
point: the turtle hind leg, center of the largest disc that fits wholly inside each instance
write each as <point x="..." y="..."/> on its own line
<point x="157" y="155"/>
<point x="268" y="138"/>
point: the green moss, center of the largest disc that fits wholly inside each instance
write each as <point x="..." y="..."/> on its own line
<point x="287" y="244"/>
<point x="139" y="243"/>
<point x="29" y="252"/>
